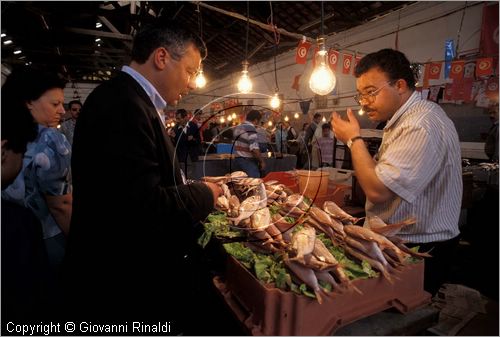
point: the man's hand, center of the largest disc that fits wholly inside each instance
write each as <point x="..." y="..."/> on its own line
<point x="345" y="130"/>
<point x="216" y="190"/>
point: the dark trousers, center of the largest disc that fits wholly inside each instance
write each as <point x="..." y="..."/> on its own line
<point x="437" y="267"/>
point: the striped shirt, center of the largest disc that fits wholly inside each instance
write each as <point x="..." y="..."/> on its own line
<point x="419" y="160"/>
<point x="245" y="139"/>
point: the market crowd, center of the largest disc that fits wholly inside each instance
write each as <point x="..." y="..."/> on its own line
<point x="99" y="223"/>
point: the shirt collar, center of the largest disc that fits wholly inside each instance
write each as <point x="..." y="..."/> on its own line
<point x="150" y="90"/>
<point x="412" y="99"/>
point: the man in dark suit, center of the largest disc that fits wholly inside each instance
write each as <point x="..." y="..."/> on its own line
<point x="128" y="255"/>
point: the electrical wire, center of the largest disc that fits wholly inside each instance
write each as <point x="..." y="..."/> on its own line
<point x="248" y="27"/>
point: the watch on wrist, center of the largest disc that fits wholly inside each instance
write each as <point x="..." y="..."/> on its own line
<point x="352" y="140"/>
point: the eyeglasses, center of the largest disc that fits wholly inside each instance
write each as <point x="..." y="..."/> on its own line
<point x="370" y="97"/>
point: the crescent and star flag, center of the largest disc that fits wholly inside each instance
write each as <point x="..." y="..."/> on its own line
<point x="484" y="67"/>
<point x="346" y="64"/>
<point x="333" y="59"/>
<point x="488" y="45"/>
<point x="469" y="69"/>
<point x="457" y="70"/>
<point x="434" y="70"/>
<point x="296" y="80"/>
<point x="301" y="54"/>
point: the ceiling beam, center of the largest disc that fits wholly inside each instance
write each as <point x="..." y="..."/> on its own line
<point x="255" y="22"/>
<point x="112" y="28"/>
<point x="99" y="33"/>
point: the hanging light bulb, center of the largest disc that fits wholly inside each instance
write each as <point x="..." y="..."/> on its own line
<point x="361" y="112"/>
<point x="222" y="120"/>
<point x="229" y="118"/>
<point x="322" y="79"/>
<point x="245" y="84"/>
<point x="234" y="115"/>
<point x="287" y="119"/>
<point x="270" y="123"/>
<point x="323" y="119"/>
<point x="200" y="80"/>
<point x="275" y="101"/>
<point x="296" y="116"/>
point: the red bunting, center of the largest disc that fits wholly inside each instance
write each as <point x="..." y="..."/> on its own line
<point x="433" y="93"/>
<point x="296" y="80"/>
<point x="457" y="70"/>
<point x="434" y="70"/>
<point x="448" y="92"/>
<point x="333" y="59"/>
<point x="484" y="67"/>
<point x="346" y="65"/>
<point x="489" y="31"/>
<point x="301" y="53"/>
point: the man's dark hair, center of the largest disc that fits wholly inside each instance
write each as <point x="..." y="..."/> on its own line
<point x="392" y="62"/>
<point x="75" y="101"/>
<point x="254" y="115"/>
<point x="182" y="112"/>
<point x="22" y="86"/>
<point x="165" y="33"/>
<point x="316" y="115"/>
<point x="326" y="126"/>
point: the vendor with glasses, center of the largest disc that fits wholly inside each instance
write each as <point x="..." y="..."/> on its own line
<point x="417" y="171"/>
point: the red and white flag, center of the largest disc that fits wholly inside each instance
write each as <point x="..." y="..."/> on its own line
<point x="448" y="93"/>
<point x="434" y="70"/>
<point x="457" y="70"/>
<point x="333" y="59"/>
<point x="484" y="67"/>
<point x="346" y="64"/>
<point x="469" y="69"/>
<point x="489" y="31"/>
<point x="301" y="53"/>
<point x="316" y="50"/>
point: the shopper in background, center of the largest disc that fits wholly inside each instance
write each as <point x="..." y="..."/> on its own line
<point x="246" y="146"/>
<point x="308" y="140"/>
<point x="68" y="126"/>
<point x="35" y="247"/>
<point x="303" y="154"/>
<point x="417" y="171"/>
<point x="43" y="183"/>
<point x="131" y="243"/>
<point x="491" y="144"/>
<point x="280" y="135"/>
<point x="24" y="258"/>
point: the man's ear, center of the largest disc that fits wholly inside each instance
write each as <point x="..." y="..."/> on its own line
<point x="161" y="57"/>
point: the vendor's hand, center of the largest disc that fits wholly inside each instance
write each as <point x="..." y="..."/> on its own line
<point x="345" y="130"/>
<point x="216" y="190"/>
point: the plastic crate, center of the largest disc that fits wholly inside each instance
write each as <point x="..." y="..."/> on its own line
<point x="223" y="148"/>
<point x="265" y="310"/>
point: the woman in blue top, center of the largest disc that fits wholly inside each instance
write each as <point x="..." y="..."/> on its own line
<point x="43" y="184"/>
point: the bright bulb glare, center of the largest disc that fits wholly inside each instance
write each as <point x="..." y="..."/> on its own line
<point x="244" y="84"/>
<point x="296" y="116"/>
<point x="287" y="119"/>
<point x="229" y="118"/>
<point x="323" y="119"/>
<point x="322" y="79"/>
<point x="361" y="112"/>
<point x="270" y="123"/>
<point x="275" y="101"/>
<point x="234" y="115"/>
<point x="222" y="120"/>
<point x="200" y="80"/>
